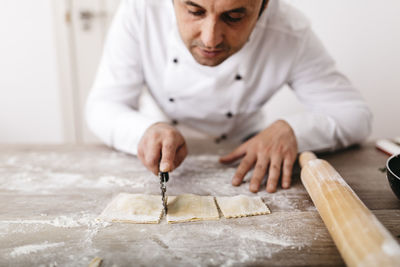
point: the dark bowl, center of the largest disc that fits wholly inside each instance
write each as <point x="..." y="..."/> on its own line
<point x="393" y="173"/>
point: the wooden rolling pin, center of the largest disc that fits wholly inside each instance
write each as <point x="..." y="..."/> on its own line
<point x="360" y="238"/>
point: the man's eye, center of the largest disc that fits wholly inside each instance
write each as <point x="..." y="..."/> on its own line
<point x="234" y="17"/>
<point x="196" y="13"/>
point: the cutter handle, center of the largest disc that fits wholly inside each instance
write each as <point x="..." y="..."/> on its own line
<point x="164" y="177"/>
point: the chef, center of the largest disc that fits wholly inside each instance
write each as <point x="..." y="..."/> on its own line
<point x="211" y="65"/>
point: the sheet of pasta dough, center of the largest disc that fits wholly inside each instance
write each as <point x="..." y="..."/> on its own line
<point x="134" y="208"/>
<point x="189" y="208"/>
<point x="242" y="206"/>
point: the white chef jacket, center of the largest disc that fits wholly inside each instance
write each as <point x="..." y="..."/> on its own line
<point x="144" y="48"/>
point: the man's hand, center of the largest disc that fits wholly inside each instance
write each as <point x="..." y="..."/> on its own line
<point x="271" y="150"/>
<point x="162" y="148"/>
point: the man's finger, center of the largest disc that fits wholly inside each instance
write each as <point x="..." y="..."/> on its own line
<point x="168" y="153"/>
<point x="180" y="155"/>
<point x="287" y="172"/>
<point x="152" y="157"/>
<point x="234" y="155"/>
<point x="273" y="174"/>
<point x="259" y="173"/>
<point x="245" y="165"/>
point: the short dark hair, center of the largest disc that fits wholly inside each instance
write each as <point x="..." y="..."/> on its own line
<point x="264" y="2"/>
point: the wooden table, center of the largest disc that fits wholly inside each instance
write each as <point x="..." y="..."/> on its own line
<point x="51" y="195"/>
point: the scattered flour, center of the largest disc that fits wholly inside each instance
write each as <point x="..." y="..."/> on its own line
<point x="28" y="249"/>
<point x="63" y="221"/>
<point x="88" y="222"/>
<point x="106" y="181"/>
<point x="11" y="161"/>
<point x="42" y="182"/>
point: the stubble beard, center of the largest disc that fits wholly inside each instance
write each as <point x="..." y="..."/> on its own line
<point x="197" y="49"/>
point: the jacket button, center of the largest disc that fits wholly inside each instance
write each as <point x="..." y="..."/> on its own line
<point x="175" y="60"/>
<point x="219" y="139"/>
<point x="171" y="100"/>
<point x="238" y="77"/>
<point x="229" y="114"/>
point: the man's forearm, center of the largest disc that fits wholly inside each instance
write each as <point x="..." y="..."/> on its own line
<point x="117" y="125"/>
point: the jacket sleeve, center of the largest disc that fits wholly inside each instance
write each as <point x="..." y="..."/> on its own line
<point x="112" y="106"/>
<point x="336" y="115"/>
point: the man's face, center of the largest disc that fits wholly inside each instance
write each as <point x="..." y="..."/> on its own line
<point x="213" y="30"/>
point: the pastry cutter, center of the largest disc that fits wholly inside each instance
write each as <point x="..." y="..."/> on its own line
<point x="164" y="177"/>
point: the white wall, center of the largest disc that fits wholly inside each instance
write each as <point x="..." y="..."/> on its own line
<point x="29" y="90"/>
<point x="364" y="38"/>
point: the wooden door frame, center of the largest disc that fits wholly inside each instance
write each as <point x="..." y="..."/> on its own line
<point x="66" y="63"/>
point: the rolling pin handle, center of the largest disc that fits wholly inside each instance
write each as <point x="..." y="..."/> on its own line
<point x="305" y="157"/>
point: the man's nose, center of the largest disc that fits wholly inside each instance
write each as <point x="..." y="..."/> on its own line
<point x="211" y="33"/>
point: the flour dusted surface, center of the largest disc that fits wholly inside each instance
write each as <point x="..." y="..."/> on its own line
<point x="33" y="248"/>
<point x="55" y="197"/>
